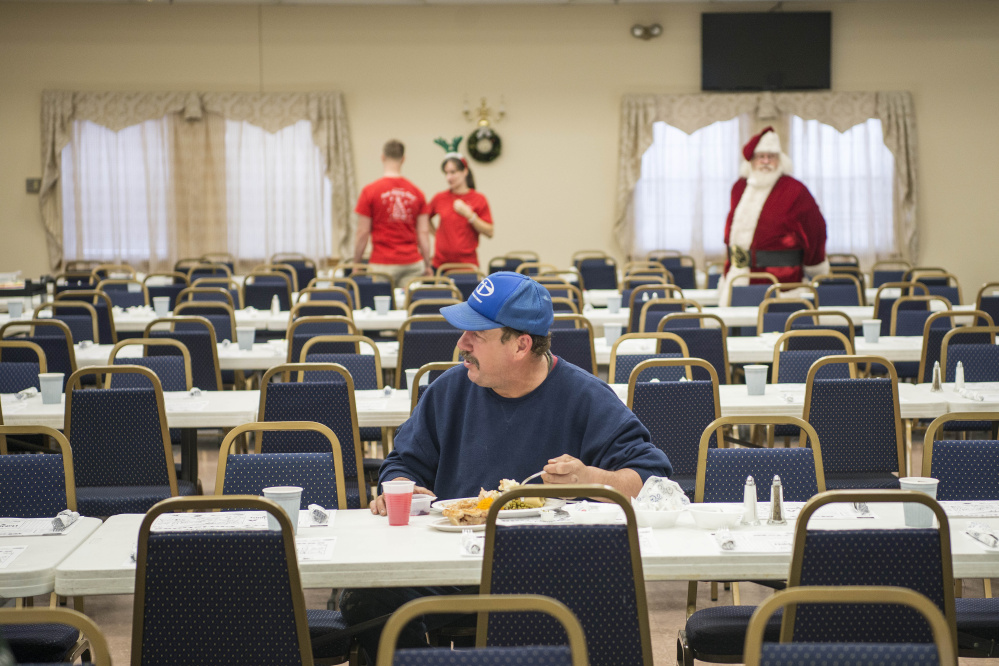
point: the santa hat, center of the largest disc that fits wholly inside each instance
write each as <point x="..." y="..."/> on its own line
<point x="766" y="141"/>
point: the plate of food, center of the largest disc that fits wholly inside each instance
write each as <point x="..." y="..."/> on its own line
<point x="445" y="525"/>
<point x="467" y="511"/>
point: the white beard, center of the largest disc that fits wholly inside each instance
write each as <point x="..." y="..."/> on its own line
<point x="764" y="178"/>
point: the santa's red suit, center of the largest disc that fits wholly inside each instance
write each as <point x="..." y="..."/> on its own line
<point x="774" y="224"/>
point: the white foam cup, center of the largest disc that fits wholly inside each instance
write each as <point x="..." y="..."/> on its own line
<point x="410" y="380"/>
<point x="51" y="383"/>
<point x="15" y="308"/>
<point x="917" y="515"/>
<point x="161" y="304"/>
<point x="872" y="331"/>
<point x="382" y="304"/>
<point x="288" y="498"/>
<point x="756" y="379"/>
<point x="612" y="332"/>
<point x="614" y="303"/>
<point x="245" y="336"/>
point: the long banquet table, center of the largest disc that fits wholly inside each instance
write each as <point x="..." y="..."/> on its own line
<point x="367" y="553"/>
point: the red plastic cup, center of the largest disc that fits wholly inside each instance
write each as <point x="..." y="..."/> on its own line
<point x="398" y="500"/>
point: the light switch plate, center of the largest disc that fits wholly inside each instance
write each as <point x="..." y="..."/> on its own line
<point x="33" y="185"/>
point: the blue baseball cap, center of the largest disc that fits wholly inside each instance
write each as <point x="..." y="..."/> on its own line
<point x="504" y="299"/>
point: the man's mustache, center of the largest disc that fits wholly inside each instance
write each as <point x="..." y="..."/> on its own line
<point x="465" y="356"/>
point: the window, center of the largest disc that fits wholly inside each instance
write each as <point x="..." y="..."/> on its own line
<point x="121" y="201"/>
<point x="683" y="197"/>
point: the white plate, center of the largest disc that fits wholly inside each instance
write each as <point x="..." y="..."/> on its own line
<point x="444" y="525"/>
<point x="550" y="503"/>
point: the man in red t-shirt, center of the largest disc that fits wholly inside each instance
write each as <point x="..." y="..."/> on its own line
<point x="390" y="213"/>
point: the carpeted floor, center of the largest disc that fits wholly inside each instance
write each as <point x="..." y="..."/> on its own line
<point x="666" y="600"/>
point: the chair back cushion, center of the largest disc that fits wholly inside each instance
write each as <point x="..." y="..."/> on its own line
<point x="536" y="655"/>
<point x="838" y="294"/>
<point x="314" y="473"/>
<point x="901" y="558"/>
<point x="980" y="361"/>
<point x="420" y="347"/>
<point x="360" y="366"/>
<point x="18" y="375"/>
<point x="967" y="469"/>
<point x="808" y="654"/>
<point x="169" y="370"/>
<point x="116" y="438"/>
<point x="586" y="567"/>
<point x="625" y="363"/>
<point x="676" y="413"/>
<point x="218" y="598"/>
<point x="749" y="294"/>
<point x="32" y="486"/>
<point x="199" y="346"/>
<point x="574" y="345"/>
<point x="369" y="288"/>
<point x="726" y="471"/>
<point x="855" y="422"/>
<point x="597" y="273"/>
<point x="795" y="363"/>
<point x="705" y="343"/>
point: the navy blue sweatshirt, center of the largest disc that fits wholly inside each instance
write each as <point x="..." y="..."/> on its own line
<point x="462" y="437"/>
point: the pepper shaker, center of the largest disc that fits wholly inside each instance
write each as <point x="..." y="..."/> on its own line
<point x="937" y="382"/>
<point x="749" y="504"/>
<point x="777" y="503"/>
<point x="275" y="305"/>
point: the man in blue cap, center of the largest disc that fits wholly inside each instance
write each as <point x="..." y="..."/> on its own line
<point x="510" y="410"/>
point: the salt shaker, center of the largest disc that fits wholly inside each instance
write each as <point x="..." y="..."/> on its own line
<point x="937" y="382"/>
<point x="749" y="503"/>
<point x="776" y="503"/>
<point x="959" y="376"/>
<point x="275" y="305"/>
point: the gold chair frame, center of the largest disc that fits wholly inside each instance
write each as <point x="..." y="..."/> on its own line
<point x="255" y="273"/>
<point x="305" y="306"/>
<point x="787" y="336"/>
<point x="482" y="605"/>
<point x="903" y="288"/>
<point x="204" y="265"/>
<point x="219" y="257"/>
<point x="828" y="277"/>
<point x="749" y="277"/>
<point x="92" y="639"/>
<point x="581" y="322"/>
<point x="424" y="369"/>
<point x="916" y="271"/>
<point x="775" y="291"/>
<point x="55" y="305"/>
<point x="562" y="300"/>
<point x="441" y="302"/>
<point x="961" y="330"/>
<point x="190" y="319"/>
<point x="214" y="503"/>
<point x="902" y="442"/>
<point x="75" y="382"/>
<point x="406" y="325"/>
<point x="578" y="490"/>
<point x="937" y="424"/>
<point x="346" y="283"/>
<point x="285" y="269"/>
<point x="96" y="294"/>
<point x="173" y="275"/>
<point x="673" y="362"/>
<point x="356" y="339"/>
<point x="915" y="299"/>
<point x="286" y="369"/>
<point x="455" y="293"/>
<point x="703" y="317"/>
<point x="646" y="305"/>
<point x="988" y="286"/>
<point x="309" y="291"/>
<point x="279" y="426"/>
<point x="588" y="254"/>
<point x="30" y="324"/>
<point x="642" y="288"/>
<point x="142" y="286"/>
<point x="816" y="315"/>
<point x="111" y="268"/>
<point x="24" y="344"/>
<point x="649" y="335"/>
<point x="457" y="267"/>
<point x="64" y="447"/>
<point x="186" y="295"/>
<point x="151" y="342"/>
<point x="316" y="319"/>
<point x="228" y="284"/>
<point x="848" y="594"/>
<point x="873" y="497"/>
<point x="181" y="307"/>
<point x="952" y="315"/>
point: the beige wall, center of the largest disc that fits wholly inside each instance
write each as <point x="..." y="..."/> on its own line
<point x="562" y="71"/>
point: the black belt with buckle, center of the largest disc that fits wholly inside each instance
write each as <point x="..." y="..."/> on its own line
<point x="767" y="258"/>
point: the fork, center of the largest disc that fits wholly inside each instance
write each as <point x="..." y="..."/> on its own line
<point x="533" y="476"/>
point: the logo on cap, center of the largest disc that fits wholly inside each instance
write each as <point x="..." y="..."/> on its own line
<point x="484" y="289"/>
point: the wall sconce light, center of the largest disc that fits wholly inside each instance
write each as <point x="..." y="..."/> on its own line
<point x="646" y="32"/>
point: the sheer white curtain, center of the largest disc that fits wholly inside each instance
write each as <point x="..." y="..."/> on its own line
<point x="682" y="197"/>
<point x="851" y="176"/>
<point x="278" y="199"/>
<point x="114" y="192"/>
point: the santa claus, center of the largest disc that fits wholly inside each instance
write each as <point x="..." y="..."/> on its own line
<point x="774" y="224"/>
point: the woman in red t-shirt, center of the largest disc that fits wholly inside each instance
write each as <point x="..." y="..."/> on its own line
<point x="463" y="214"/>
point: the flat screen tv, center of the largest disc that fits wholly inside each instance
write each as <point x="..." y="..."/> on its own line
<point x="765" y="51"/>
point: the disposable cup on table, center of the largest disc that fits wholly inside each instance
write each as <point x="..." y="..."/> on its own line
<point x="411" y="380"/>
<point x="51" y="383"/>
<point x="918" y="515"/>
<point x="245" y="336"/>
<point x="288" y="498"/>
<point x="756" y="379"/>
<point x="614" y="303"/>
<point x="15" y="308"/>
<point x="872" y="331"/>
<point x="612" y="332"/>
<point x="398" y="500"/>
<point x="382" y="304"/>
<point x="161" y="304"/>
